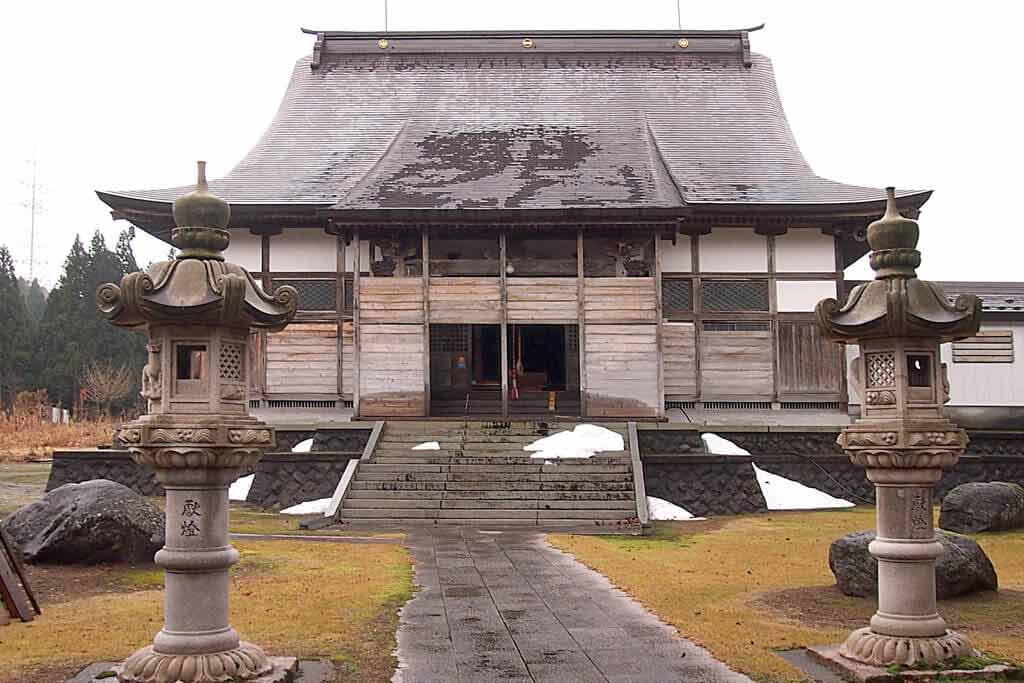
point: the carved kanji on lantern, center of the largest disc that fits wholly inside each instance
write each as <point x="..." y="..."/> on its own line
<point x="198" y="311"/>
<point x="902" y="438"/>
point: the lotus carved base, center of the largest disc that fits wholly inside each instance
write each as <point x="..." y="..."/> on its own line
<point x="868" y="647"/>
<point x="243" y="663"/>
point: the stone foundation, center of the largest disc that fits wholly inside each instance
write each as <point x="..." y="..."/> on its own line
<point x="678" y="468"/>
<point x="286" y="479"/>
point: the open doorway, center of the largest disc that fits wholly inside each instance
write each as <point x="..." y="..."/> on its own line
<point x="543" y="363"/>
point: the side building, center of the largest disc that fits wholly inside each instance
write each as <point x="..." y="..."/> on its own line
<point x="606" y="224"/>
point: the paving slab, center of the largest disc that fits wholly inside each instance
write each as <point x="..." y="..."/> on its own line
<point x="506" y="606"/>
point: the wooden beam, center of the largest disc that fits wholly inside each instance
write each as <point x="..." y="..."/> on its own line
<point x="503" y="337"/>
<point x="581" y="327"/>
<point x="425" y="261"/>
<point x="356" y="267"/>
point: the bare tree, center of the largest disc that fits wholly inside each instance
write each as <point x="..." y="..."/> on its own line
<point x="105" y="383"/>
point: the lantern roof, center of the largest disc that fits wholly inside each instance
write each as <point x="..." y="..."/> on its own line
<point x="896" y="303"/>
<point x="198" y="286"/>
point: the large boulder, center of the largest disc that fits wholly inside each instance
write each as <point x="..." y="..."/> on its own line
<point x="983" y="506"/>
<point x="963" y="567"/>
<point x="96" y="521"/>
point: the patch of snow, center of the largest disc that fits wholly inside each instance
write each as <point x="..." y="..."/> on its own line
<point x="303" y="446"/>
<point x="427" y="446"/>
<point x="239" y="489"/>
<point x="309" y="507"/>
<point x="584" y="441"/>
<point x="663" y="511"/>
<point x="785" y="494"/>
<point x="719" y="446"/>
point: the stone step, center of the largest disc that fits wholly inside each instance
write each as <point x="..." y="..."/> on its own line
<point x="628" y="525"/>
<point x="484" y="485"/>
<point x="441" y="494"/>
<point x="535" y="467"/>
<point x="434" y="459"/>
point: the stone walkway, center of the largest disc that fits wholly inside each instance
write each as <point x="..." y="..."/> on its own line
<point x="508" y="607"/>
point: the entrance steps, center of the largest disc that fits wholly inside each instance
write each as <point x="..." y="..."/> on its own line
<point x="482" y="476"/>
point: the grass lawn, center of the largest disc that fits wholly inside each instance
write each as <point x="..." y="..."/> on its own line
<point x="746" y="586"/>
<point x="315" y="600"/>
<point x="334" y="601"/>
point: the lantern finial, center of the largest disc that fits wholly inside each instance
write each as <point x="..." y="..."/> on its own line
<point x="893" y="240"/>
<point x="202" y="219"/>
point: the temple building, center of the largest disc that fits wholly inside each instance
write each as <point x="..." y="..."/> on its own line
<point x="600" y="224"/>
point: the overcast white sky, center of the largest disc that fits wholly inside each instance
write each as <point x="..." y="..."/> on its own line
<point x="123" y="95"/>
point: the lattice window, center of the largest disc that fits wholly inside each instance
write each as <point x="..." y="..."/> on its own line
<point x="572" y="338"/>
<point x="735" y="295"/>
<point x="314" y="295"/>
<point x="231" y="361"/>
<point x="737" y="326"/>
<point x="676" y="297"/>
<point x="881" y="369"/>
<point x="449" y="338"/>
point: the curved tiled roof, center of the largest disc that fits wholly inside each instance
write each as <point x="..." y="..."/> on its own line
<point x="611" y="128"/>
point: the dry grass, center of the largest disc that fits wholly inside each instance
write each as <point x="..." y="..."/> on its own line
<point x="334" y="601"/>
<point x="746" y="586"/>
<point x="24" y="437"/>
<point x="21" y="483"/>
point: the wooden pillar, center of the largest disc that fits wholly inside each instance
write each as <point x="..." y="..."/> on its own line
<point x="581" y="326"/>
<point x="425" y="259"/>
<point x="356" y="268"/>
<point x="697" y="304"/>
<point x="268" y="284"/>
<point x="773" y="317"/>
<point x="657" y="320"/>
<point x="844" y="389"/>
<point x="339" y="309"/>
<point x="502" y="284"/>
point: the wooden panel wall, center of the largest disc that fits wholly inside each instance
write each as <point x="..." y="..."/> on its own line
<point x="542" y="299"/>
<point x="619" y="299"/>
<point x="808" y="363"/>
<point x="391" y="370"/>
<point x="390" y="300"/>
<point x="465" y="300"/>
<point x="347" y="358"/>
<point x="679" y="359"/>
<point x="303" y="359"/>
<point x="621" y="366"/>
<point x="736" y="364"/>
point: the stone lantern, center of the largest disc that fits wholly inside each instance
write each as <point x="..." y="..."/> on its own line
<point x="198" y="311"/>
<point x="902" y="438"/>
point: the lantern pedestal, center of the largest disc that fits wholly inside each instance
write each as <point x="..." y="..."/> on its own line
<point x="907" y="627"/>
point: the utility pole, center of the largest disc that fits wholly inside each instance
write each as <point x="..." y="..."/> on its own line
<point x="32" y="226"/>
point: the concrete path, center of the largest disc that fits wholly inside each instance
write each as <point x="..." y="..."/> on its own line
<point x="508" y="607"/>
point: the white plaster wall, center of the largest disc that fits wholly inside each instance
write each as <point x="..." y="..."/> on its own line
<point x="675" y="258"/>
<point x="303" y="249"/>
<point x="245" y="249"/>
<point x="805" y="250"/>
<point x="801" y="296"/>
<point x="733" y="250"/>
<point x="988" y="384"/>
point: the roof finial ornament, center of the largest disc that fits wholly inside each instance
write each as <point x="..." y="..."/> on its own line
<point x="202" y="219"/>
<point x="893" y="240"/>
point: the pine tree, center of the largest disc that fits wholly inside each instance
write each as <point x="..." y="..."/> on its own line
<point x="14" y="332"/>
<point x="72" y="334"/>
<point x="34" y="295"/>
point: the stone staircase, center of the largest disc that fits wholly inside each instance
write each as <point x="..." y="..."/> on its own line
<point x="482" y="476"/>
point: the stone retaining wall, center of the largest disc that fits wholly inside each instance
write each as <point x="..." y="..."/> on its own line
<point x="73" y="467"/>
<point x="678" y="468"/>
<point x="282" y="479"/>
